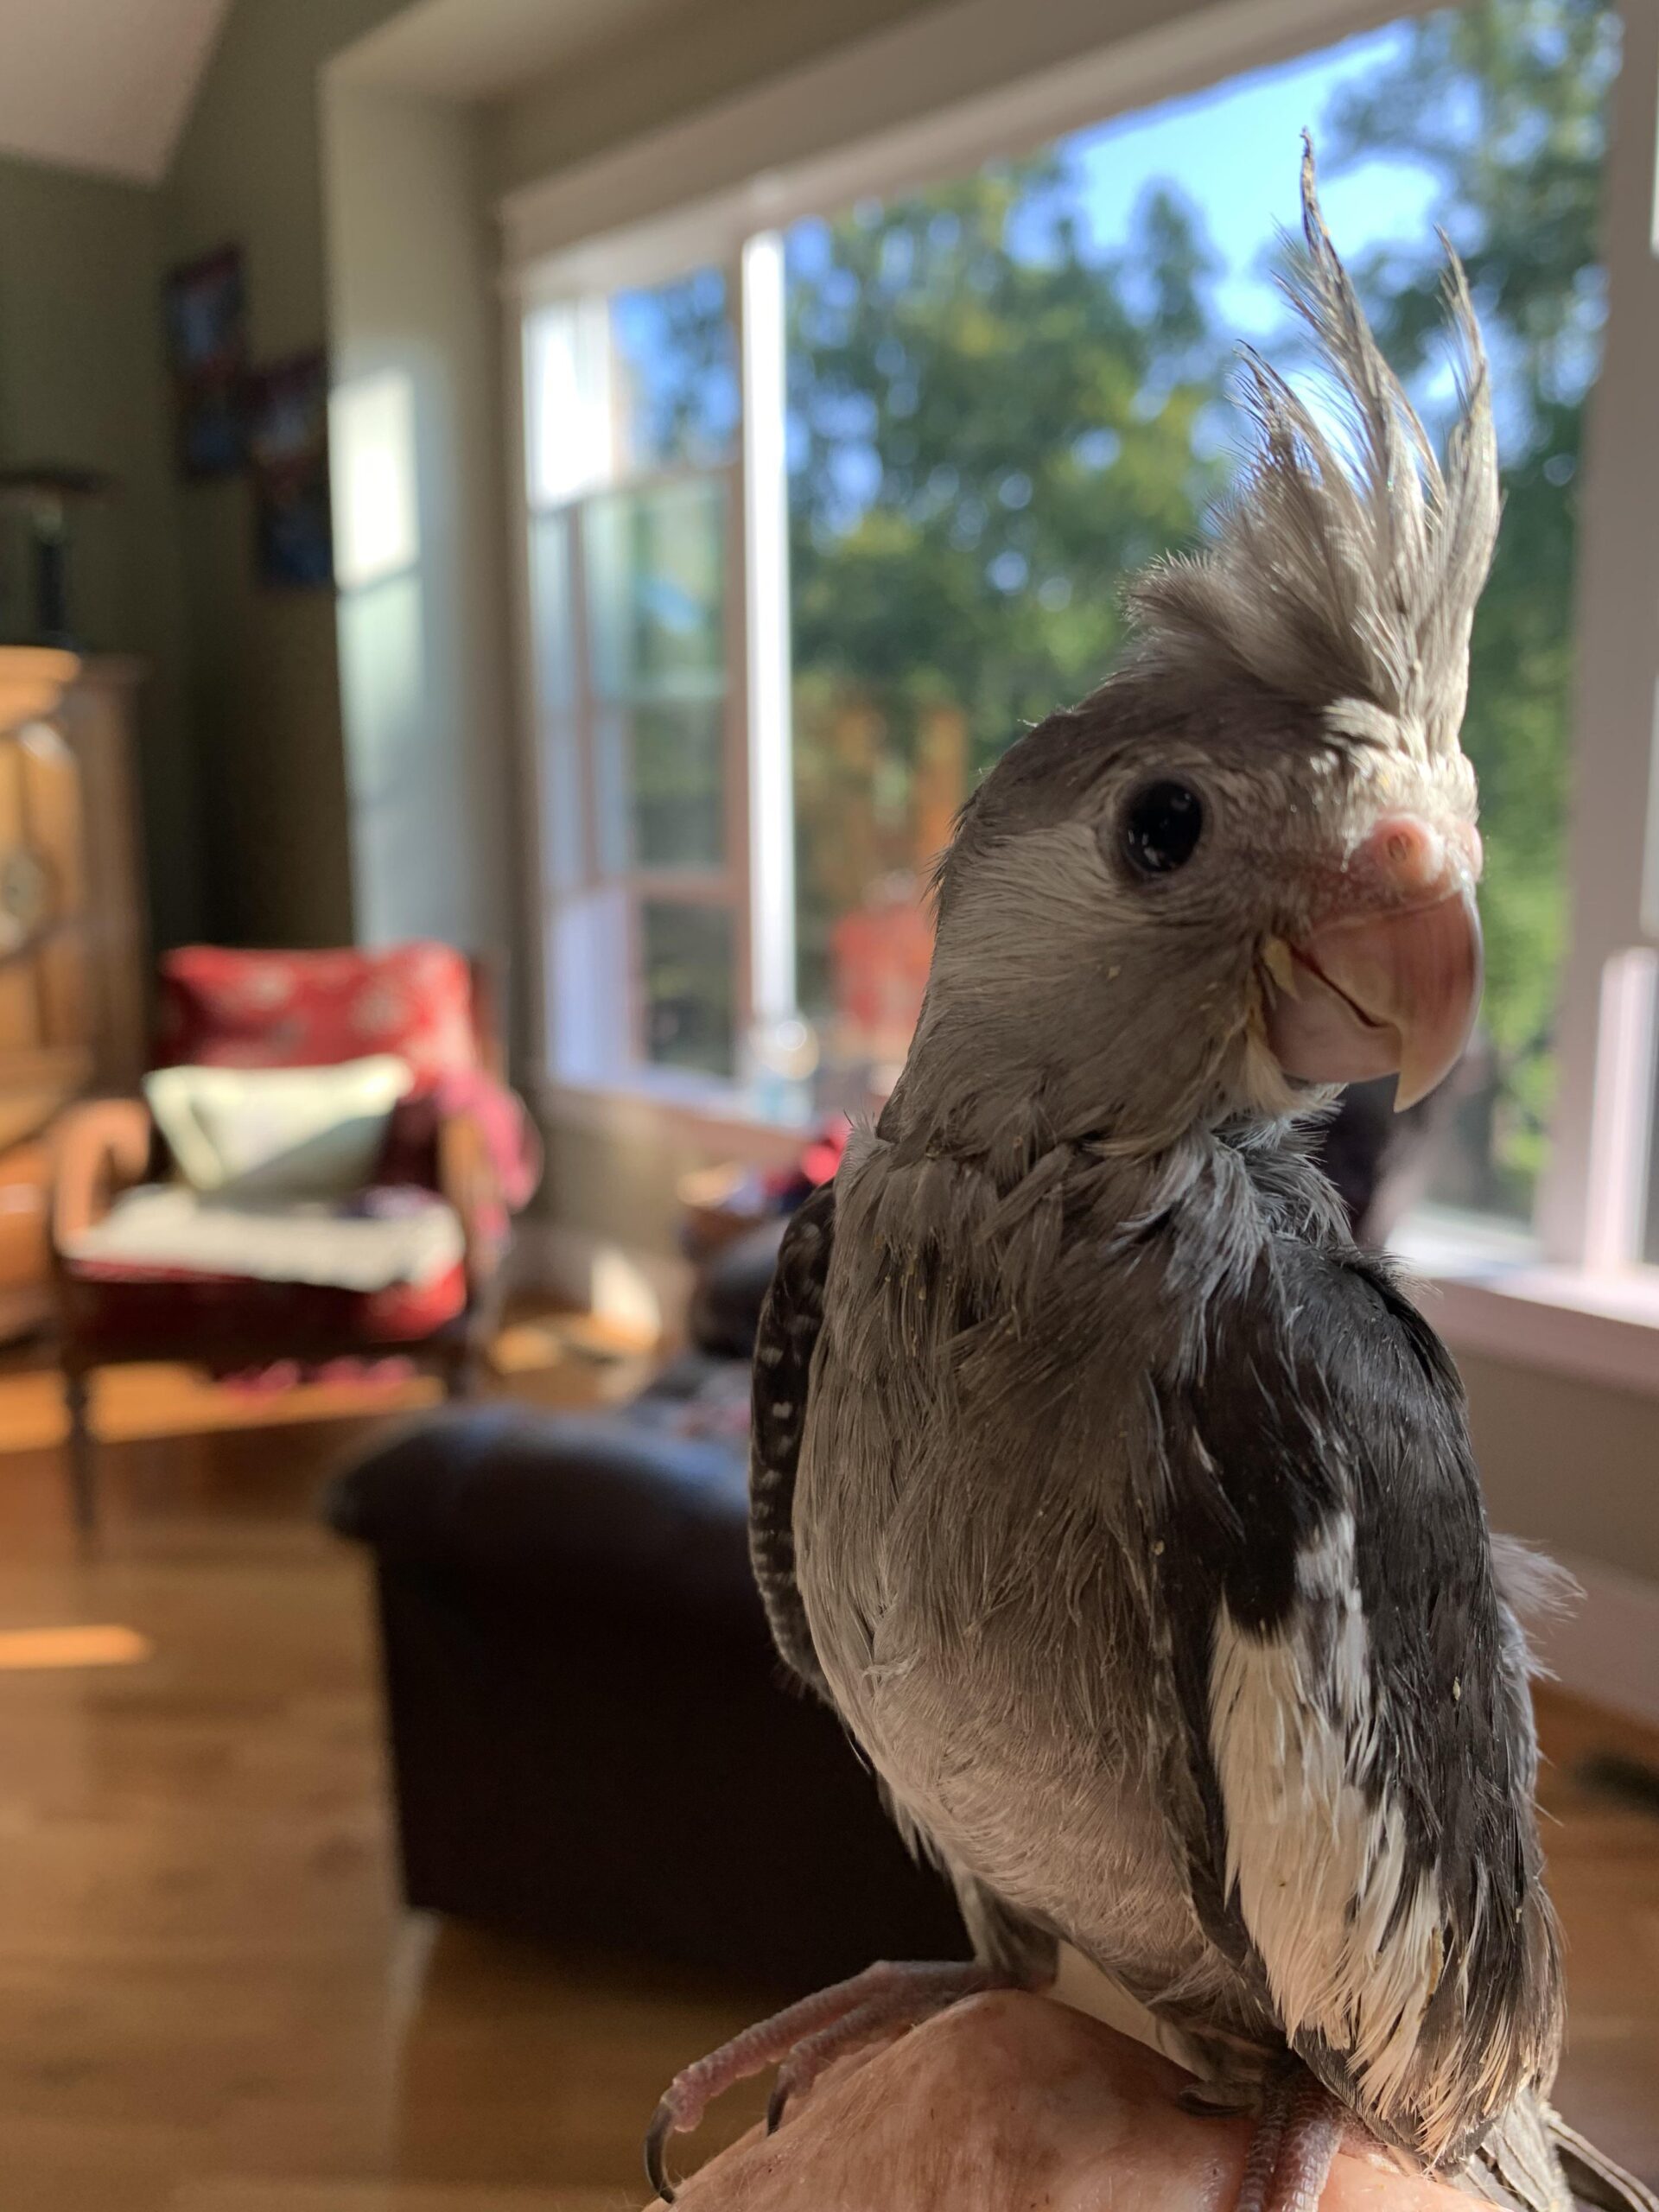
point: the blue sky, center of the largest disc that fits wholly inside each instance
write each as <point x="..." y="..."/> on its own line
<point x="1234" y="152"/>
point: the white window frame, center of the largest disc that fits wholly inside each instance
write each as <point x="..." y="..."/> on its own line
<point x="975" y="80"/>
<point x="593" y="905"/>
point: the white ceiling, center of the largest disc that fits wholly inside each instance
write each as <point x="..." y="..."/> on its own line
<point x="101" y="83"/>
<point x="479" y="49"/>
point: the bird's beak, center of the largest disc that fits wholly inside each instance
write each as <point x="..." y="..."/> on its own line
<point x="1389" y="980"/>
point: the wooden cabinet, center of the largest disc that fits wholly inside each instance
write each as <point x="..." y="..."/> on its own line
<point x="73" y="964"/>
<point x="97" y="721"/>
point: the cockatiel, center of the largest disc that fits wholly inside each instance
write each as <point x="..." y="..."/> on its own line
<point x="1124" y="1510"/>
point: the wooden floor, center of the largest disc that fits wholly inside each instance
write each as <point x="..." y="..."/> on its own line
<point x="209" y="1999"/>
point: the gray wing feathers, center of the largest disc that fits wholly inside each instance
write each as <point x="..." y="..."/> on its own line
<point x="1595" y="2177"/>
<point x="1532" y="2161"/>
<point x="783" y="1345"/>
<point x="1516" y="2166"/>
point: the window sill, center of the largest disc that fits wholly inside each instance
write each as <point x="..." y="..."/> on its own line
<point x="1486" y="1290"/>
<point x="1489" y="1292"/>
<point x="1555" y="1320"/>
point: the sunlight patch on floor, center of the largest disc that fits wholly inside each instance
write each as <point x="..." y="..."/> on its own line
<point x="29" y="1650"/>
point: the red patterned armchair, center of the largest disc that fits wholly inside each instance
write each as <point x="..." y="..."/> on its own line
<point x="456" y="1154"/>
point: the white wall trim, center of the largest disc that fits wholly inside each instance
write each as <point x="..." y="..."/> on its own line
<point x="1616" y="657"/>
<point x="1606" y="1650"/>
<point x="958" y="86"/>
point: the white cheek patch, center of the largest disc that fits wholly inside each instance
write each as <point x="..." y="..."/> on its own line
<point x="1351" y="1940"/>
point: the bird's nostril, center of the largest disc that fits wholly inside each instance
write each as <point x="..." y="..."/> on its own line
<point x="1404" y="853"/>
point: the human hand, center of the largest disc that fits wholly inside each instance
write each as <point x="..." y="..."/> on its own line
<point x="1013" y="2103"/>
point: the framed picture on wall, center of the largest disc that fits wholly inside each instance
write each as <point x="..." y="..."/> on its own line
<point x="288" y="449"/>
<point x="205" y="306"/>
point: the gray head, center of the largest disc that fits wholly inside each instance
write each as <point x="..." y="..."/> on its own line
<point x="1243" y="868"/>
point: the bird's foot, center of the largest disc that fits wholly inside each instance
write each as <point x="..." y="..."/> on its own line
<point x="804" y="2038"/>
<point x="1297" y="2133"/>
<point x="886" y="1996"/>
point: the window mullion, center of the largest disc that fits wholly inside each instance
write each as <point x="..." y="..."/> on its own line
<point x="584" y="702"/>
<point x="770" y="826"/>
<point x="735" y="757"/>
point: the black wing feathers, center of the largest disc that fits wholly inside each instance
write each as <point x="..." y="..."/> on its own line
<point x="785" y="1343"/>
<point x="1323" y="1391"/>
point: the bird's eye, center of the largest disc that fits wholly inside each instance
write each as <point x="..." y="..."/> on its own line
<point x="1163" y="824"/>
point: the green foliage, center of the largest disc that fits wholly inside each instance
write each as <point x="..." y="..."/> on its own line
<point x="990" y="440"/>
<point x="992" y="424"/>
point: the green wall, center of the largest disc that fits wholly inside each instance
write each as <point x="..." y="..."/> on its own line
<point x="241" y="756"/>
<point x="425" y="654"/>
<point x="82" y="381"/>
<point x="264" y="682"/>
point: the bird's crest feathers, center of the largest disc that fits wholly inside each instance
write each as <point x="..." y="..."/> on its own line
<point x="1344" y="573"/>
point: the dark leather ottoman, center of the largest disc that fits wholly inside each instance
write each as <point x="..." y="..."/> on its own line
<point x="591" y="1743"/>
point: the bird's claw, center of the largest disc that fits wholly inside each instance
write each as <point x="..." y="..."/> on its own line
<point x="664" y="2123"/>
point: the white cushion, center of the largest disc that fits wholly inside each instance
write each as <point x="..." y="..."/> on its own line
<point x="278" y="1133"/>
<point x="164" y="1225"/>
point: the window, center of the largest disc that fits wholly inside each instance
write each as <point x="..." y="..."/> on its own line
<point x="991" y="398"/>
<point x="633" y="415"/>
